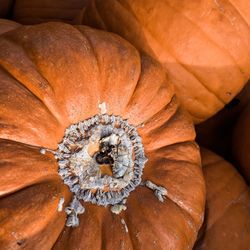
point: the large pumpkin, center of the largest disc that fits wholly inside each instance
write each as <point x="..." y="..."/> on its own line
<point x="241" y="143"/>
<point x="36" y="11"/>
<point x="54" y="75"/>
<point x="204" y="45"/>
<point x="227" y="219"/>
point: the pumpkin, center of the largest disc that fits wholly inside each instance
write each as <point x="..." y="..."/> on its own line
<point x="7" y="25"/>
<point x="241" y="143"/>
<point x="216" y="133"/>
<point x="203" y="45"/>
<point x="78" y="106"/>
<point x="227" y="219"/>
<point x="36" y="11"/>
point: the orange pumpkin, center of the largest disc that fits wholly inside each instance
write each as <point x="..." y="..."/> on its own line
<point x="227" y="219"/>
<point x="54" y="75"/>
<point x="203" y="45"/>
<point x="241" y="143"/>
<point x="36" y="11"/>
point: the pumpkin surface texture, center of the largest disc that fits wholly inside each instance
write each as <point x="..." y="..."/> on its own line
<point x="71" y="98"/>
<point x="204" y="45"/>
<point x="227" y="219"/>
<point x="7" y="25"/>
<point x="241" y="143"/>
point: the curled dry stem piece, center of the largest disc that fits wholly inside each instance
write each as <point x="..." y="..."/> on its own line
<point x="160" y="192"/>
<point x="117" y="208"/>
<point x="72" y="211"/>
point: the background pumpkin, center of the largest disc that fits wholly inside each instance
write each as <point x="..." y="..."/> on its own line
<point x="203" y="45"/>
<point x="216" y="133"/>
<point x="241" y="143"/>
<point x="36" y="11"/>
<point x="227" y="219"/>
<point x="53" y="75"/>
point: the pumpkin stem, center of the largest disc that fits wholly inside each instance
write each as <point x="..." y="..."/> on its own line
<point x="101" y="160"/>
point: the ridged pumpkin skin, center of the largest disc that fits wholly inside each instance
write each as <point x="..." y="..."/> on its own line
<point x="227" y="219"/>
<point x="55" y="74"/>
<point x="36" y="11"/>
<point x="241" y="143"/>
<point x="7" y="25"/>
<point x="203" y="45"/>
